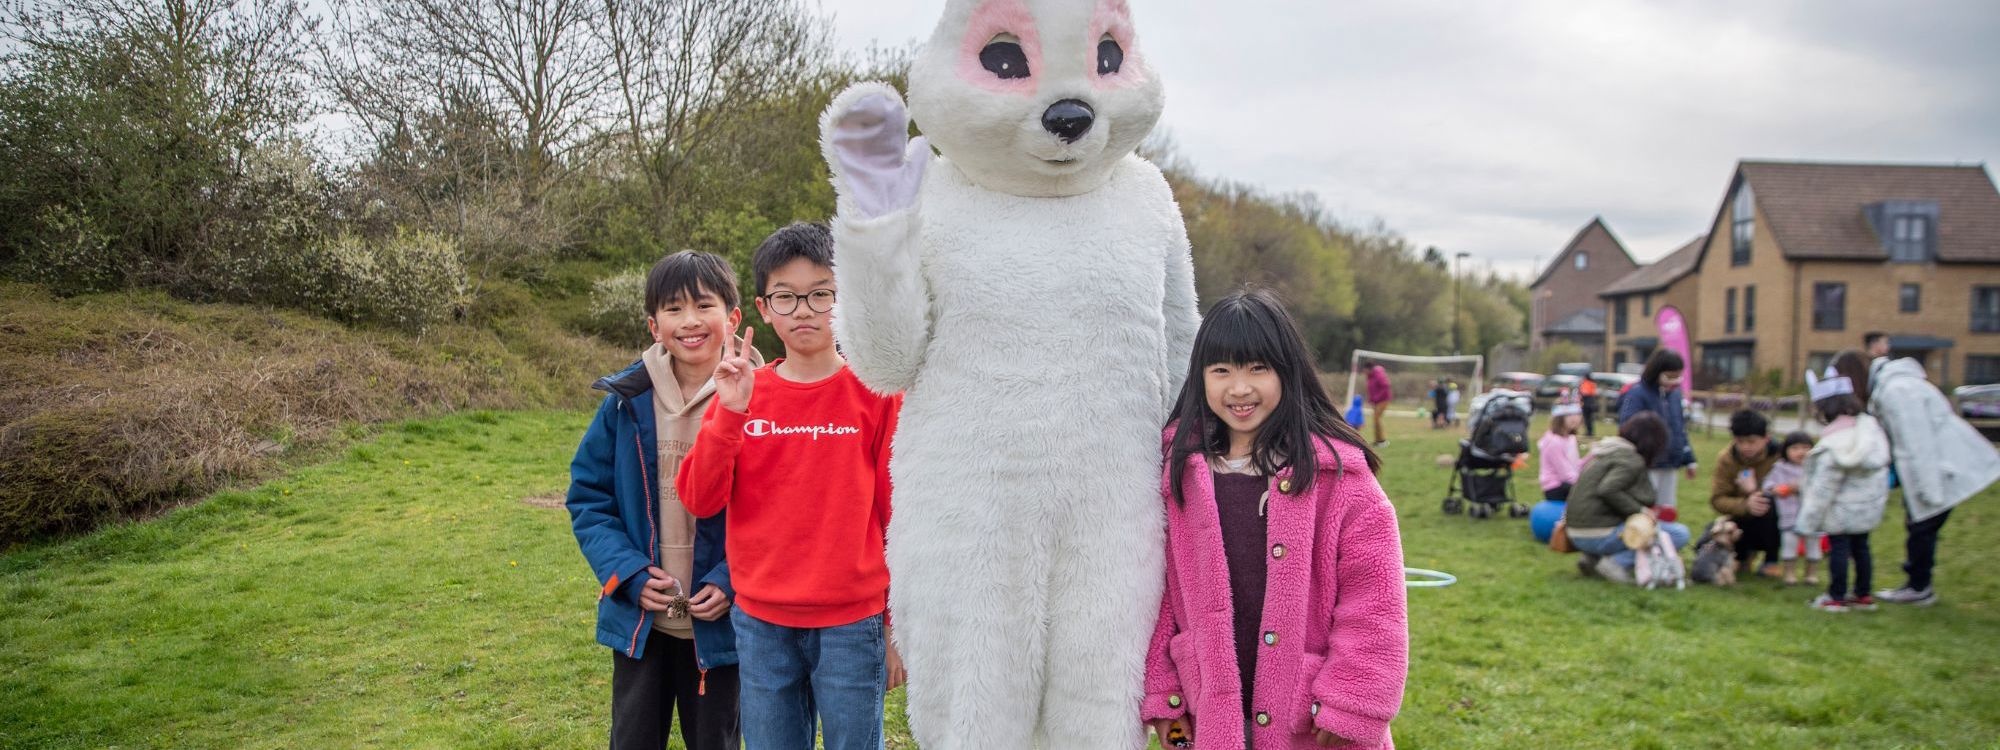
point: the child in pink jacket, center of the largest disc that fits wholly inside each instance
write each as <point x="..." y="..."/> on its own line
<point x="1283" y="623"/>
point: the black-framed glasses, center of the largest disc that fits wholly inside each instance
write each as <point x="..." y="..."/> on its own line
<point x="785" y="303"/>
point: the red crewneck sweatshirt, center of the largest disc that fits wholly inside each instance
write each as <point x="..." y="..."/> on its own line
<point x="805" y="478"/>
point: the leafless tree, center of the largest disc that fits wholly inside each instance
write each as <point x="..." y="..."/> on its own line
<point x="538" y="65"/>
<point x="681" y="67"/>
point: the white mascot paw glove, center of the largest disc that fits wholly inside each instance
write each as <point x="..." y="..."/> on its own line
<point x="877" y="166"/>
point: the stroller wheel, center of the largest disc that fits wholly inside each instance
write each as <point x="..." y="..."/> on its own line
<point x="1452" y="505"/>
<point x="1516" y="510"/>
<point x="1480" y="510"/>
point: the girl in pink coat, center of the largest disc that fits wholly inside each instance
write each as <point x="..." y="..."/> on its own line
<point x="1283" y="623"/>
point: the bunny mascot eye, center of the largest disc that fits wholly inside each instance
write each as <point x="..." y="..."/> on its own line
<point x="1109" y="56"/>
<point x="1003" y="57"/>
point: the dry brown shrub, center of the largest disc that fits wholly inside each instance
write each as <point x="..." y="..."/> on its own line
<point x="114" y="405"/>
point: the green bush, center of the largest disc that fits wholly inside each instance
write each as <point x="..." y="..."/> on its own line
<point x="408" y="282"/>
<point x="618" y="308"/>
<point x="68" y="253"/>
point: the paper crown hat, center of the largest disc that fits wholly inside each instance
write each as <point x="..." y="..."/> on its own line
<point x="1828" y="385"/>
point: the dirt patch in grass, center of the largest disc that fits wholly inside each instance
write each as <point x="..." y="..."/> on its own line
<point x="552" y="500"/>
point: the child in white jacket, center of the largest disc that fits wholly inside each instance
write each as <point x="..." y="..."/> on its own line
<point x="1846" y="488"/>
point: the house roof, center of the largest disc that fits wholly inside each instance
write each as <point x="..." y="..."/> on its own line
<point x="1817" y="210"/>
<point x="1562" y="258"/>
<point x="1661" y="273"/>
<point x="1587" y="320"/>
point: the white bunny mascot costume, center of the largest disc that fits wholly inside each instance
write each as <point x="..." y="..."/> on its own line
<point x="1031" y="293"/>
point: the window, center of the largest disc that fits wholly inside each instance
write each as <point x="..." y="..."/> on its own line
<point x="1816" y="362"/>
<point x="1910" y="299"/>
<point x="1750" y="308"/>
<point x="1729" y="311"/>
<point x="1619" y="316"/>
<point x="1743" y="224"/>
<point x="1618" y="358"/>
<point x="1582" y="260"/>
<point x="1986" y="309"/>
<point x="1726" y="364"/>
<point x="1982" y="369"/>
<point x="1829" y="303"/>
<point x="1908" y="229"/>
<point x="1646" y="305"/>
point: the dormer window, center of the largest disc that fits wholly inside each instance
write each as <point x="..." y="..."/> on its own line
<point x="1908" y="229"/>
<point x="1582" y="260"/>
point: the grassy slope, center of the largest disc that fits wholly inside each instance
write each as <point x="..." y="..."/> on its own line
<point x="404" y="595"/>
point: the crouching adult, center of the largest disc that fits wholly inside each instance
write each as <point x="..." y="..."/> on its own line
<point x="1614" y="487"/>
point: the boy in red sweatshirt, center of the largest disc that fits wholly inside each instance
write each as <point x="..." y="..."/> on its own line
<point x="797" y="452"/>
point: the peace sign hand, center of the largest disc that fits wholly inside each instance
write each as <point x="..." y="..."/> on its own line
<point x="734" y="374"/>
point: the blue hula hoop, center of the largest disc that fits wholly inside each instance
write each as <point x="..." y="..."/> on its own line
<point x="1432" y="579"/>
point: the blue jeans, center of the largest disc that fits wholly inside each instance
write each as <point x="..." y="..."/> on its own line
<point x="1610" y="544"/>
<point x="789" y="674"/>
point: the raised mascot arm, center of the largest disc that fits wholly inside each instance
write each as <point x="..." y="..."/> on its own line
<point x="883" y="323"/>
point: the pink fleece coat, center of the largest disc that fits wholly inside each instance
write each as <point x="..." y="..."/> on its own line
<point x="1336" y="632"/>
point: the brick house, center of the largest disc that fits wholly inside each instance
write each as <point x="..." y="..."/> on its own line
<point x="1630" y="302"/>
<point x="1803" y="258"/>
<point x="1565" y="305"/>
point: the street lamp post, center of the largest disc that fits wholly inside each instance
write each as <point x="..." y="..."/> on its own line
<point x="1456" y="347"/>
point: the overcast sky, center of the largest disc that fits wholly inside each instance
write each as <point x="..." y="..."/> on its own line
<point x="1499" y="129"/>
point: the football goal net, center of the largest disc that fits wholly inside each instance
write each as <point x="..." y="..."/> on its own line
<point x="1412" y="376"/>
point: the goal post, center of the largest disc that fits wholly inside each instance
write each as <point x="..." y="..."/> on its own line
<point x="1354" y="368"/>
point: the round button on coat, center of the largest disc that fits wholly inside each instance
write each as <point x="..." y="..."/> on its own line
<point x="1271" y="638"/>
<point x="1277" y="551"/>
<point x="1263" y="719"/>
<point x="1174" y="701"/>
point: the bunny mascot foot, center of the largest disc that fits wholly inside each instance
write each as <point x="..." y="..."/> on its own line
<point x="1029" y="290"/>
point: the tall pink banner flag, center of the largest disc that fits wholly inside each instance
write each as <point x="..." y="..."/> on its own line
<point x="1674" y="333"/>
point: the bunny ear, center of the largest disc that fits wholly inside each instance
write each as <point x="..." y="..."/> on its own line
<point x="1812" y="381"/>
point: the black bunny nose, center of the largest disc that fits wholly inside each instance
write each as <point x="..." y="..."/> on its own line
<point x="1069" y="119"/>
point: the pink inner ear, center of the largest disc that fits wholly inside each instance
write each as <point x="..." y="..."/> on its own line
<point x="992" y="18"/>
<point x="1114" y="17"/>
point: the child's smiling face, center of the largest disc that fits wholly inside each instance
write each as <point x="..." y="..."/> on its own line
<point x="1242" y="395"/>
<point x="692" y="330"/>
<point x="1796" y="453"/>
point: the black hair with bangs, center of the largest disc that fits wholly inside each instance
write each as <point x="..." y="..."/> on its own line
<point x="1253" y="326"/>
<point x="688" y="275"/>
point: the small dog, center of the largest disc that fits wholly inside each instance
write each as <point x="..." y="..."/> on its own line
<point x="1715" y="554"/>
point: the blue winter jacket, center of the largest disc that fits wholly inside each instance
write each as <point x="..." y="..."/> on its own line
<point x="614" y="507"/>
<point x="1644" y="397"/>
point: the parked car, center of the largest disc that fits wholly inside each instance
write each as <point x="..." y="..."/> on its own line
<point x="1980" y="405"/>
<point x="1553" y="386"/>
<point x="1610" y="384"/>
<point x="1977" y="401"/>
<point x="1524" y="382"/>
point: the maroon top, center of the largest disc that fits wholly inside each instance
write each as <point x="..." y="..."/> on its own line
<point x="1239" y="500"/>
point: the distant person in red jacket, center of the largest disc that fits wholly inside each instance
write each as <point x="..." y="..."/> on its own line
<point x="1379" y="396"/>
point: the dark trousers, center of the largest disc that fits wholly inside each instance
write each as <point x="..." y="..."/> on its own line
<point x="1561" y="492"/>
<point x="1590" y="416"/>
<point x="1844" y="547"/>
<point x="1760" y="534"/>
<point x="646" y="693"/>
<point x="1921" y="549"/>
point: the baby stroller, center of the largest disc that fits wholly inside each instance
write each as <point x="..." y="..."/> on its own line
<point x="1482" y="477"/>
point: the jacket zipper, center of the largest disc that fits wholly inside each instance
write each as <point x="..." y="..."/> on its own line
<point x="652" y="526"/>
<point x="653" y="551"/>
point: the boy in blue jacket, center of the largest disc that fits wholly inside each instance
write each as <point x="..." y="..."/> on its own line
<point x="639" y="540"/>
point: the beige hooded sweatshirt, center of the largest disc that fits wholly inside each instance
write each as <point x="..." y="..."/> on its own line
<point x="676" y="422"/>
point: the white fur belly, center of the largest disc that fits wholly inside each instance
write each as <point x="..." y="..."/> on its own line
<point x="1047" y="335"/>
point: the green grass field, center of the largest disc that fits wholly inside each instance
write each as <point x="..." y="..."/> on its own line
<point x="422" y="590"/>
